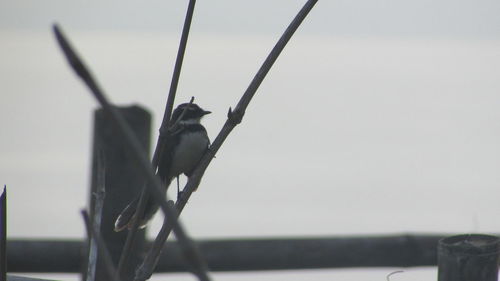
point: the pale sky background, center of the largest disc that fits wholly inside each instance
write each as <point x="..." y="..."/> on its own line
<point x="442" y="18"/>
<point x="380" y="117"/>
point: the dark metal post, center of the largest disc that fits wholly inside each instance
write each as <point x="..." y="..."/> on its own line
<point x="123" y="181"/>
<point x="3" y="234"/>
<point x="468" y="257"/>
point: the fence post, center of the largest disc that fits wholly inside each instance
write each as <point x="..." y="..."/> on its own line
<point x="123" y="181"/>
<point x="468" y="257"/>
<point x="3" y="234"/>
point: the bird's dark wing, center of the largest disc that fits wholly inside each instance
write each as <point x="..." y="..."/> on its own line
<point x="165" y="160"/>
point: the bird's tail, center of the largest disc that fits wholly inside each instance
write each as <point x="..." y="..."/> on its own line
<point x="127" y="216"/>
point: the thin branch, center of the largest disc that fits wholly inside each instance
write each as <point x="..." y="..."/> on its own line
<point x="161" y="144"/>
<point x="178" y="64"/>
<point x="97" y="214"/>
<point x="101" y="247"/>
<point x="136" y="150"/>
<point x="234" y="118"/>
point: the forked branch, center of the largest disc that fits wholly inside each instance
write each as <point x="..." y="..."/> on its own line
<point x="234" y="118"/>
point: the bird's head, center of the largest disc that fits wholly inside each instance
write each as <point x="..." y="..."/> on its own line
<point x="193" y="114"/>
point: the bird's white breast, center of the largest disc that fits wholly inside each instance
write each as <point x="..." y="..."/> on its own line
<point x="188" y="152"/>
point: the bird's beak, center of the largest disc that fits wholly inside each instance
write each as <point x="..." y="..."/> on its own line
<point x="205" y="112"/>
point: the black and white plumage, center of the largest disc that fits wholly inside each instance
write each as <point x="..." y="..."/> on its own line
<point x="187" y="146"/>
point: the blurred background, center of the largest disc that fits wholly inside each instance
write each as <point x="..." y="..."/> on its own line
<point x="379" y="117"/>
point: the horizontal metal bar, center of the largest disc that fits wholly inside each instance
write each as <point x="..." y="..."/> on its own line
<point x="22" y="278"/>
<point x="246" y="254"/>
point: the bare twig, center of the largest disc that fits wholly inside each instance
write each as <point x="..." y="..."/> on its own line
<point x="137" y="152"/>
<point x="234" y="118"/>
<point x="161" y="144"/>
<point x="101" y="247"/>
<point x="178" y="65"/>
<point x="97" y="215"/>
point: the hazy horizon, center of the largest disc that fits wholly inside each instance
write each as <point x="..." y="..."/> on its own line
<point x="368" y="132"/>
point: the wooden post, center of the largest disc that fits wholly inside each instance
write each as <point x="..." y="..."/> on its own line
<point x="123" y="181"/>
<point x="468" y="257"/>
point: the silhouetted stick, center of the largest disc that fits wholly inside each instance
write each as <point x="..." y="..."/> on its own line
<point x="3" y="234"/>
<point x="97" y="216"/>
<point x="101" y="247"/>
<point x="164" y="134"/>
<point x="234" y="118"/>
<point x="136" y="151"/>
<point x="178" y="65"/>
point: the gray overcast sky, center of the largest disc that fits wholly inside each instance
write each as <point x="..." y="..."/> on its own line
<point x="428" y="18"/>
<point x="403" y="135"/>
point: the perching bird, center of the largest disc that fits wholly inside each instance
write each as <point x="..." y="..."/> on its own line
<point x="188" y="144"/>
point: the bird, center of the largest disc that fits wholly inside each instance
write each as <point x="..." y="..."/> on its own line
<point x="188" y="143"/>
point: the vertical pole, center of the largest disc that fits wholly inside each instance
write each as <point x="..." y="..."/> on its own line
<point x="3" y="235"/>
<point x="123" y="182"/>
<point x="468" y="257"/>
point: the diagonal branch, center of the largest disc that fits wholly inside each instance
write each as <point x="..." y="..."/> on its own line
<point x="137" y="152"/>
<point x="161" y="144"/>
<point x="101" y="247"/>
<point x="97" y="215"/>
<point x="234" y="118"/>
<point x="178" y="65"/>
